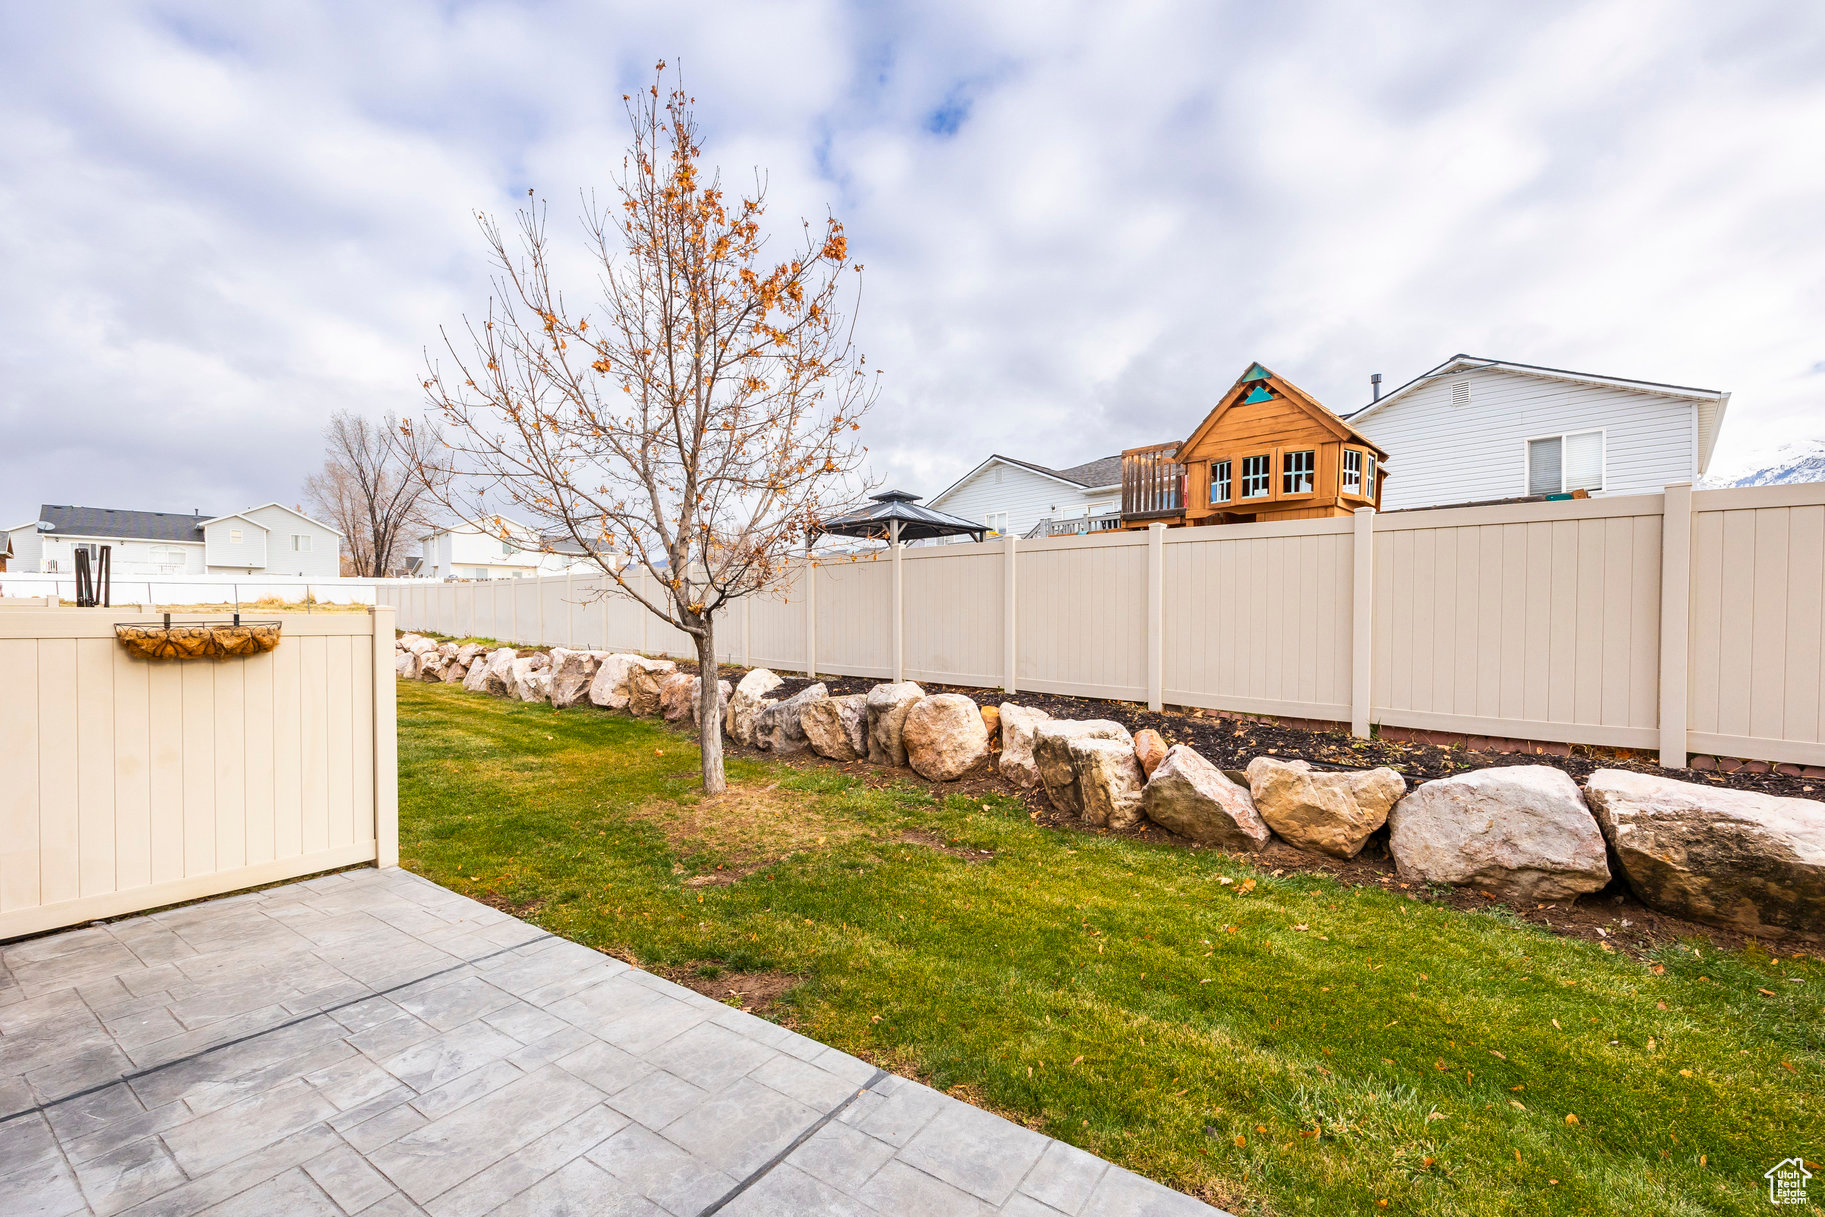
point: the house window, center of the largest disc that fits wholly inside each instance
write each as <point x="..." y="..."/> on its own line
<point x="1559" y="464"/>
<point x="169" y="558"/>
<point x="997" y="522"/>
<point x="506" y="549"/>
<point x="234" y="536"/>
<point x="300" y="543"/>
<point x="1220" y="487"/>
<point x="1352" y="471"/>
<point x="1257" y="476"/>
<point x="1297" y="470"/>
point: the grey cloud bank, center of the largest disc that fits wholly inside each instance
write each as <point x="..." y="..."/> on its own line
<point x="221" y="222"/>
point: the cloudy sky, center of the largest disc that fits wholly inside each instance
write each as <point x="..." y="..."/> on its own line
<point x="221" y="222"/>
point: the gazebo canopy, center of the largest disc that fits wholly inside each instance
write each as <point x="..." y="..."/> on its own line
<point x="896" y="516"/>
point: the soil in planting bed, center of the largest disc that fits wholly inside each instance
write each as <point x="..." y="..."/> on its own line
<point x="1230" y="743"/>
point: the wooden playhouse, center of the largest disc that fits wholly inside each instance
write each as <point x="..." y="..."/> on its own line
<point x="1268" y="451"/>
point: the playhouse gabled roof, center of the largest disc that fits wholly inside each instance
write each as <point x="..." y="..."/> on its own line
<point x="1258" y="383"/>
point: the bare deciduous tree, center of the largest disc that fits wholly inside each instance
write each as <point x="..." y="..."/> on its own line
<point x="700" y="422"/>
<point x="369" y="491"/>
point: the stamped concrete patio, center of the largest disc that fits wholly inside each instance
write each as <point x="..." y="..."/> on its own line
<point x="371" y="1043"/>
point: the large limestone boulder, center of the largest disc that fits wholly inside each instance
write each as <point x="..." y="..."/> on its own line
<point x="1017" y="725"/>
<point x="837" y="727"/>
<point x="527" y="681"/>
<point x="571" y="675"/>
<point x="475" y="680"/>
<point x="497" y="671"/>
<point x="469" y="652"/>
<point x="1109" y="780"/>
<point x="1735" y="858"/>
<point x="418" y="644"/>
<point x="541" y="661"/>
<point x="1521" y="832"/>
<point x="405" y="665"/>
<point x="1052" y="756"/>
<point x="1331" y="812"/>
<point x="888" y="706"/>
<point x="675" y="693"/>
<point x="944" y="737"/>
<point x="749" y="699"/>
<point x="779" y="727"/>
<point x="644" y="680"/>
<point x="1194" y="798"/>
<point x="454" y="672"/>
<point x="608" y="687"/>
<point x="431" y="666"/>
<point x="723" y="691"/>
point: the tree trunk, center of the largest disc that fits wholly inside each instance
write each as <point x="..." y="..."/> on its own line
<point x="709" y="709"/>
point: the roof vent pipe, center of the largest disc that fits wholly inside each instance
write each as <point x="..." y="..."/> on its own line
<point x="1374" y="387"/>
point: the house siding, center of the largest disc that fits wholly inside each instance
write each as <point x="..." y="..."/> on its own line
<point x="1026" y="496"/>
<point x="127" y="558"/>
<point x="1439" y="453"/>
<point x="324" y="560"/>
<point x="222" y="552"/>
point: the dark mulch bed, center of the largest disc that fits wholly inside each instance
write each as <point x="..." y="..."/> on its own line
<point x="1230" y="743"/>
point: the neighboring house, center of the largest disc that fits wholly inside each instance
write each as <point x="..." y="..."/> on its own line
<point x="1474" y="430"/>
<point x="270" y="539"/>
<point x="1267" y="450"/>
<point x="1020" y="497"/>
<point x="473" y="551"/>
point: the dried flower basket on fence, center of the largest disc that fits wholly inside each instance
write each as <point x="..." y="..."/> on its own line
<point x="197" y="639"/>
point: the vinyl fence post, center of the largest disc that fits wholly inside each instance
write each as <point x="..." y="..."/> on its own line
<point x="1010" y="548"/>
<point x="386" y="745"/>
<point x="1675" y="624"/>
<point x="747" y="647"/>
<point x="899" y="605"/>
<point x="1362" y="619"/>
<point x="1156" y="615"/>
<point x="810" y="618"/>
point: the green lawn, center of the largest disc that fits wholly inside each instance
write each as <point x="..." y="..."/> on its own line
<point x="1298" y="1047"/>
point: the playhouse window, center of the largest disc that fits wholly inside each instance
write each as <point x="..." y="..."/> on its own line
<point x="1368" y="475"/>
<point x="1257" y="477"/>
<point x="1297" y="470"/>
<point x="1220" y="487"/>
<point x="1352" y="471"/>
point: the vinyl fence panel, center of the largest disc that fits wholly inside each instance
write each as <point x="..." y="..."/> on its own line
<point x="1562" y="621"/>
<point x="1257" y="618"/>
<point x="1081" y="616"/>
<point x="954" y="614"/>
<point x="130" y="784"/>
<point x="1758" y="623"/>
<point x="1531" y="620"/>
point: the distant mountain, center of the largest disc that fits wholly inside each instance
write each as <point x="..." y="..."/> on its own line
<point x="1801" y="462"/>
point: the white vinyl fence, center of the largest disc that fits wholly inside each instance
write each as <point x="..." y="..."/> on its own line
<point x="1685" y="621"/>
<point x="195" y="589"/>
<point x="127" y="784"/>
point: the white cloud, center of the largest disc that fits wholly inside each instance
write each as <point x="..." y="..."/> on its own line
<point x="220" y="221"/>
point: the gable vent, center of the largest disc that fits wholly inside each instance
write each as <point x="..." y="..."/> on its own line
<point x="1460" y="392"/>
